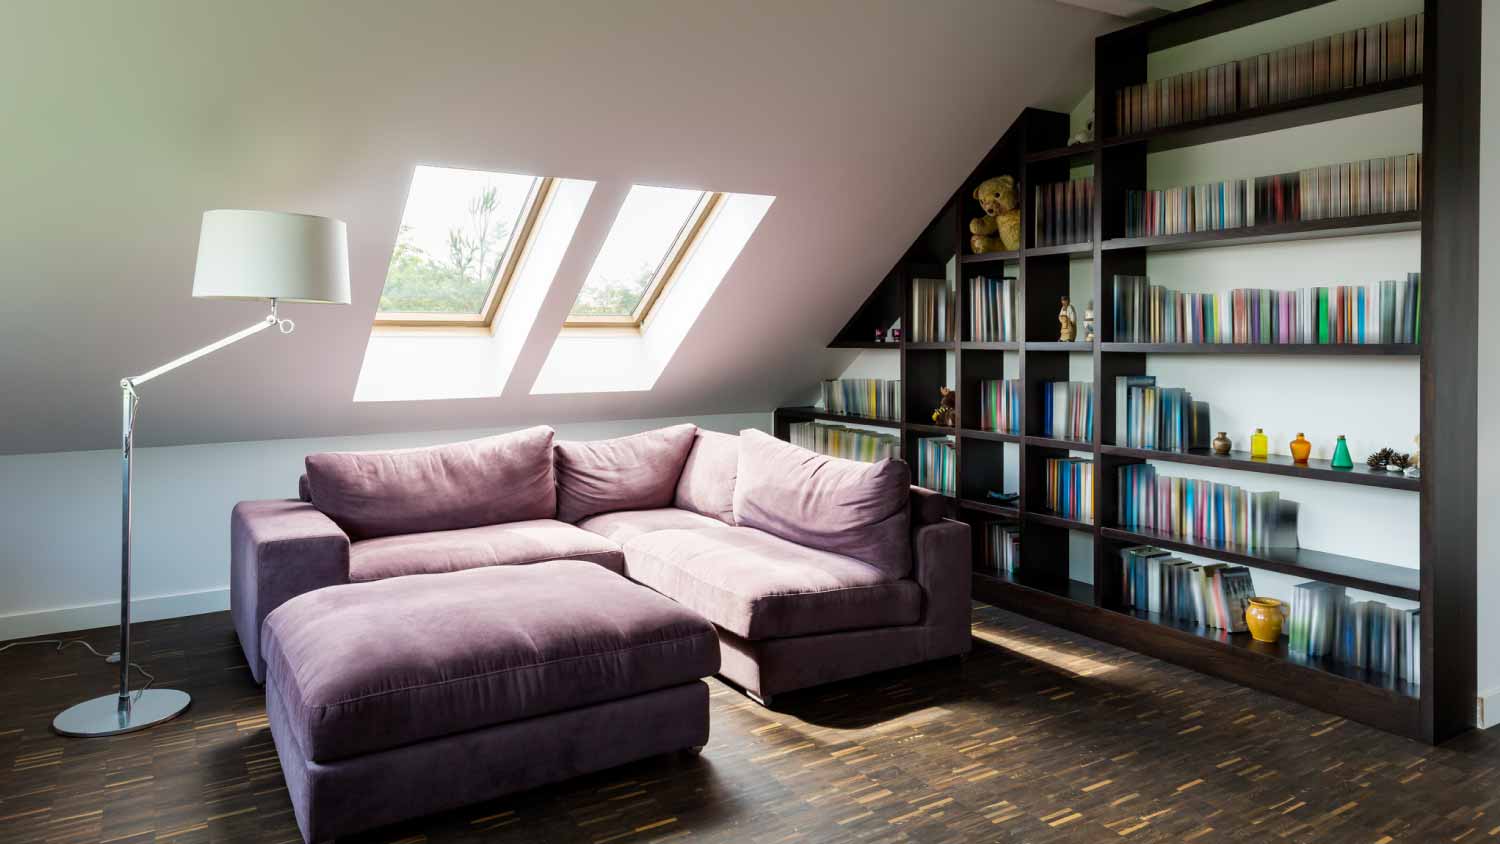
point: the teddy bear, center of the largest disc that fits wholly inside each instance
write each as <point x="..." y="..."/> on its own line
<point x="947" y="406"/>
<point x="1000" y="227"/>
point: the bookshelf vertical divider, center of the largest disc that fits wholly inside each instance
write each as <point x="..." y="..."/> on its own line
<point x="1034" y="150"/>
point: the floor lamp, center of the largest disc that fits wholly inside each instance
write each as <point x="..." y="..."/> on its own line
<point x="262" y="255"/>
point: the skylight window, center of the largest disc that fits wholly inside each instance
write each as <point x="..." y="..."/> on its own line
<point x="654" y="230"/>
<point x="461" y="236"/>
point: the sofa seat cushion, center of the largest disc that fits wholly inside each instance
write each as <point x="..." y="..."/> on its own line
<point x="364" y="667"/>
<point x="624" y="525"/>
<point x="760" y="586"/>
<point x="510" y="544"/>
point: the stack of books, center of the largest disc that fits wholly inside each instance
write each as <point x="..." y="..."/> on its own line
<point x="1381" y="312"/>
<point x="932" y="312"/>
<point x="1068" y="410"/>
<point x="1383" y="52"/>
<point x="1204" y="512"/>
<point x="875" y="398"/>
<point x="1000" y="406"/>
<point x="1064" y="212"/>
<point x="1070" y="488"/>
<point x="1376" y="186"/>
<point x="937" y="464"/>
<point x="848" y="443"/>
<point x="1325" y="623"/>
<point x="1213" y="595"/>
<point x="1002" y="547"/>
<point x="992" y="310"/>
<point x="1163" y="418"/>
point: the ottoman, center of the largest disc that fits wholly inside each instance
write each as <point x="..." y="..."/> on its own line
<point x="402" y="697"/>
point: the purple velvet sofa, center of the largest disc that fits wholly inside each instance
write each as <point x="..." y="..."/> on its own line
<point x="812" y="569"/>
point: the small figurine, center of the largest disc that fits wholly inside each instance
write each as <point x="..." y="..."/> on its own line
<point x="880" y="335"/>
<point x="945" y="415"/>
<point x="1088" y="323"/>
<point x="1222" y="444"/>
<point x="1000" y="227"/>
<point x="1067" y="321"/>
<point x="1341" y="458"/>
<point x="1085" y="136"/>
<point x="895" y="335"/>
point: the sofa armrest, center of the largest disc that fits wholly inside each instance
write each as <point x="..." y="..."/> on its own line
<point x="278" y="550"/>
<point x="942" y="565"/>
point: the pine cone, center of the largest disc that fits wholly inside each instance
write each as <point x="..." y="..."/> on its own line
<point x="1380" y="459"/>
<point x="1400" y="461"/>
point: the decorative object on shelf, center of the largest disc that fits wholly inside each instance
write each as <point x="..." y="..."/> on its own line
<point x="1084" y="136"/>
<point x="1264" y="619"/>
<point x="1341" y="457"/>
<point x="1380" y="460"/>
<point x="1067" y="322"/>
<point x="1416" y="453"/>
<point x="1088" y="323"/>
<point x="1399" y="462"/>
<point x="1413" y="472"/>
<point x="1000" y="227"/>
<point x="880" y="335"/>
<point x="1222" y="444"/>
<point x="895" y="335"/>
<point x="1301" y="449"/>
<point x="1260" y="446"/>
<point x="946" y="413"/>
<point x="1003" y="497"/>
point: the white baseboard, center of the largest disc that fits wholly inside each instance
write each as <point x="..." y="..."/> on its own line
<point x="1489" y="709"/>
<point x="68" y="619"/>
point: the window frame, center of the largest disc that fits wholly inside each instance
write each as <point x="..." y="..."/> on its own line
<point x="531" y="213"/>
<point x="667" y="271"/>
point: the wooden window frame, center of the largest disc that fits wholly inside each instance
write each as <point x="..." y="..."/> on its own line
<point x="687" y="239"/>
<point x="531" y="213"/>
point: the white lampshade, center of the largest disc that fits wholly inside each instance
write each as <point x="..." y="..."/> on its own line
<point x="272" y="255"/>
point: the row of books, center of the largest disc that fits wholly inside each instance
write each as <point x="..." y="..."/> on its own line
<point x="876" y="398"/>
<point x="1068" y="410"/>
<point x="937" y="464"/>
<point x="1215" y="595"/>
<point x="1375" y="186"/>
<point x="1204" y="512"/>
<point x="992" y="310"/>
<point x="1163" y="418"/>
<point x="932" y="311"/>
<point x="1002" y="547"/>
<point x="848" y="443"/>
<point x="1326" y="623"/>
<point x="1070" y="488"/>
<point x="1379" y="53"/>
<point x="1064" y="212"/>
<point x="1000" y="407"/>
<point x="1381" y="312"/>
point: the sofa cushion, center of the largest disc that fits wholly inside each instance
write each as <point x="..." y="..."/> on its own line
<point x="624" y="525"/>
<point x="510" y="544"/>
<point x="845" y="507"/>
<point x="763" y="587"/>
<point x="480" y="482"/>
<point x="707" y="483"/>
<point x="638" y="472"/>
<point x="368" y="666"/>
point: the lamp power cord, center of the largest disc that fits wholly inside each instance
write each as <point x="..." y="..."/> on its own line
<point x="113" y="658"/>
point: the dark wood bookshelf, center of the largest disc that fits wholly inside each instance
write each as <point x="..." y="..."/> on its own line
<point x="1275" y="464"/>
<point x="1368" y="575"/>
<point x="1034" y="150"/>
<point x="990" y="345"/>
<point x="864" y="344"/>
<point x="801" y="414"/>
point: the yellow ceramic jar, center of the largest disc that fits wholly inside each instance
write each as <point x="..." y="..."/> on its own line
<point x="1264" y="617"/>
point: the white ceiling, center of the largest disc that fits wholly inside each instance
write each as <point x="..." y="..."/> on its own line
<point x="123" y="122"/>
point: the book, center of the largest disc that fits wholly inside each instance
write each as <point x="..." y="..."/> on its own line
<point x="932" y="313"/>
<point x="845" y="442"/>
<point x="874" y="398"/>
<point x="937" y="464"/>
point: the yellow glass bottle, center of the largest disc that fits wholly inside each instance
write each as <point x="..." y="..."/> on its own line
<point x="1259" y="446"/>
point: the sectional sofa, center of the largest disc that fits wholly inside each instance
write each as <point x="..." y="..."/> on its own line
<point x="812" y="569"/>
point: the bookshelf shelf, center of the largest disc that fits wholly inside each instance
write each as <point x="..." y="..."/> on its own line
<point x="1045" y="518"/>
<point x="994" y="436"/>
<point x="1276" y="464"/>
<point x="991" y="258"/>
<point x="1262" y="348"/>
<point x="990" y="346"/>
<point x="1001" y="510"/>
<point x="1058" y="346"/>
<point x="1078" y="151"/>
<point x="930" y="347"/>
<point x="1380" y="578"/>
<point x="1055" y="442"/>
<point x="930" y="430"/>
<point x="1072" y="591"/>
<point x="802" y="414"/>
<point x="864" y="344"/>
<point x="1085" y="248"/>
<point x="1365" y="224"/>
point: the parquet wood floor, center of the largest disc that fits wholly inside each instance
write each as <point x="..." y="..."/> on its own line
<point x="1041" y="736"/>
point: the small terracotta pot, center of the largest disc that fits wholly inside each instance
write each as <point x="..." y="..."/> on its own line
<point x="1265" y="619"/>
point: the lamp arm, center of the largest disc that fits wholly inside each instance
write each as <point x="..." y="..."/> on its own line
<point x="286" y="326"/>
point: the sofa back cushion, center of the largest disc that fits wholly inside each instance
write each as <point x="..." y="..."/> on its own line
<point x="846" y="507"/>
<point x="488" y="481"/>
<point x="638" y="472"/>
<point x="707" y="483"/>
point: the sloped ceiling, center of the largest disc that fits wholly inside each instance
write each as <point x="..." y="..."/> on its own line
<point x="123" y="122"/>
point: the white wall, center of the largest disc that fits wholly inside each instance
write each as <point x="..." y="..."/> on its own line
<point x="60" y="519"/>
<point x="1489" y="369"/>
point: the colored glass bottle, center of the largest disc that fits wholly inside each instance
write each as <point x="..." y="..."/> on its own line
<point x="1259" y="447"/>
<point x="1341" y="458"/>
<point x="1301" y="448"/>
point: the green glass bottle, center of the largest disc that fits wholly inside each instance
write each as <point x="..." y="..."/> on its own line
<point x="1260" y="447"/>
<point x="1341" y="458"/>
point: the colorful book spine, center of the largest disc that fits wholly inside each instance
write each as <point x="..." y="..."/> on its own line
<point x="873" y="398"/>
<point x="1069" y="488"/>
<point x="1068" y="410"/>
<point x="933" y="316"/>
<point x="1002" y="547"/>
<point x="1063" y="212"/>
<point x="1000" y="407"/>
<point x="992" y="310"/>
<point x="841" y="441"/>
<point x="1203" y="512"/>
<point x="937" y="464"/>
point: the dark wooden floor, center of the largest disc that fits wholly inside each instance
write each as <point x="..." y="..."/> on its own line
<point x="1041" y="736"/>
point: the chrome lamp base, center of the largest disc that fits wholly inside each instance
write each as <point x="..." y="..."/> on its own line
<point x="103" y="715"/>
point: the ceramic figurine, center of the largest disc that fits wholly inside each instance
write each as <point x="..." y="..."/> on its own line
<point x="880" y="335"/>
<point x="1088" y="323"/>
<point x="1067" y="322"/>
<point x="945" y="415"/>
<point x="1222" y="444"/>
<point x="1264" y="619"/>
<point x="895" y="335"/>
<point x="1341" y="457"/>
<point x="1260" y="447"/>
<point x="1301" y="448"/>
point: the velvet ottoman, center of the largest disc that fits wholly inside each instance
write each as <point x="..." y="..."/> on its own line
<point x="402" y="697"/>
